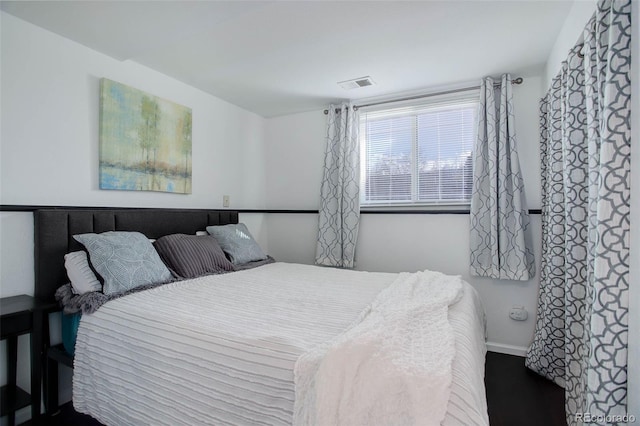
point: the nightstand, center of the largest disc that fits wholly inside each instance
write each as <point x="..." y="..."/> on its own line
<point x="22" y="315"/>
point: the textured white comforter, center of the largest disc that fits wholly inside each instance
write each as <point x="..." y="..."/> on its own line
<point x="393" y="365"/>
<point x="222" y="349"/>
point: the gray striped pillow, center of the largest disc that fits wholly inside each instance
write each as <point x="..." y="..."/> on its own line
<point x="190" y="256"/>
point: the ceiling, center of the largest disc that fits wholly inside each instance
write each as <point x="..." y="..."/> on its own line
<point x="283" y="57"/>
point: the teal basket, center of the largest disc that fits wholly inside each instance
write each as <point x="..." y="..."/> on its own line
<point x="70" y="325"/>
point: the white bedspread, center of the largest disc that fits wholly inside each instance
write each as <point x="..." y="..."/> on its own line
<point x="394" y="365"/>
<point x="222" y="349"/>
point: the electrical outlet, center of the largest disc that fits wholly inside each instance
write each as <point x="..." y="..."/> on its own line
<point x="225" y="201"/>
<point x="518" y="313"/>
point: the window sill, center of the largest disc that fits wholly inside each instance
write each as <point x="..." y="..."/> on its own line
<point x="415" y="209"/>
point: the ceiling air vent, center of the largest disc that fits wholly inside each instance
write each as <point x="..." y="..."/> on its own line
<point x="356" y="83"/>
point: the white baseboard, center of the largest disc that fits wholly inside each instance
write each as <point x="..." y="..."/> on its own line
<point x="503" y="348"/>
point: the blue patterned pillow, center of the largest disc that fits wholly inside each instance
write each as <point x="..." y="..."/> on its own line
<point x="125" y="260"/>
<point x="237" y="243"/>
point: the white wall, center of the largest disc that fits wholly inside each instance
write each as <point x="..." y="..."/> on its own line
<point x="49" y="147"/>
<point x="394" y="243"/>
<point x="50" y="99"/>
<point x="580" y="13"/>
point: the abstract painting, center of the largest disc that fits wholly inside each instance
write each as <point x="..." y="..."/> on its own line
<point x="145" y="141"/>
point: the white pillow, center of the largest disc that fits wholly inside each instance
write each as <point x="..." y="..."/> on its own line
<point x="82" y="278"/>
<point x="201" y="233"/>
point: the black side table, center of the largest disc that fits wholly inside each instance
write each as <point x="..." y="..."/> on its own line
<point x="21" y="315"/>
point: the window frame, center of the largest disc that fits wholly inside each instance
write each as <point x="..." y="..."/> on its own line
<point x="471" y="96"/>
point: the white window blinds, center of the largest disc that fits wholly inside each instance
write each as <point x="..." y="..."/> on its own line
<point x="420" y="154"/>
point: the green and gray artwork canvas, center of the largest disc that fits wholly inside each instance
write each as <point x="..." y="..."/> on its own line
<point x="145" y="141"/>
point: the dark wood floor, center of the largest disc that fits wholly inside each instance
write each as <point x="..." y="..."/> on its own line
<point x="518" y="396"/>
<point x="515" y="396"/>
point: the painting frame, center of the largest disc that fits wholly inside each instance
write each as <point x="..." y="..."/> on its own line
<point x="145" y="141"/>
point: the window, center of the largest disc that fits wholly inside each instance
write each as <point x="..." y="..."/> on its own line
<point x="420" y="154"/>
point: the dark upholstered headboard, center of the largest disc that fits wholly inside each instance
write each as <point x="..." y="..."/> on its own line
<point x="54" y="230"/>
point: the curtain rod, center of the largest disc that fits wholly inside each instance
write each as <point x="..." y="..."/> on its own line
<point x="517" y="80"/>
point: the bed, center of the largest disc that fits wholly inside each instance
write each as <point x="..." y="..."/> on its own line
<point x="276" y="344"/>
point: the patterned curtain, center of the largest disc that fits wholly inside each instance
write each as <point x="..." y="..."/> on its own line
<point x="581" y="330"/>
<point x="340" y="192"/>
<point x="499" y="239"/>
